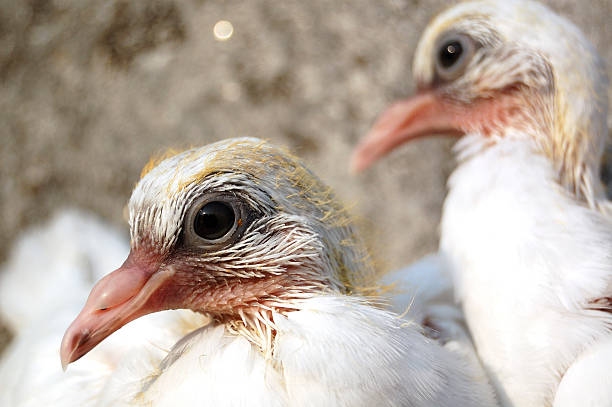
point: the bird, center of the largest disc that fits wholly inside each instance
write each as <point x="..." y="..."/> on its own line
<point x="526" y="230"/>
<point x="241" y="235"/>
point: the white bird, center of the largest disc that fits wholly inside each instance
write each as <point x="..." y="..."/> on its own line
<point x="240" y="231"/>
<point x="526" y="231"/>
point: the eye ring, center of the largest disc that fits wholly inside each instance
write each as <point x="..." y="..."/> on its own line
<point x="215" y="220"/>
<point x="453" y="53"/>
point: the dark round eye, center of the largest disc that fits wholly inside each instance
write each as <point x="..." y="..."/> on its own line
<point x="453" y="55"/>
<point x="450" y="53"/>
<point x="214" y="220"/>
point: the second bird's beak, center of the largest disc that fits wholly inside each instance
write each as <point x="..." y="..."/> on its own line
<point x="424" y="114"/>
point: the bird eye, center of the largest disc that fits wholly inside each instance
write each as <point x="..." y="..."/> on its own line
<point x="214" y="220"/>
<point x="453" y="55"/>
<point x="450" y="53"/>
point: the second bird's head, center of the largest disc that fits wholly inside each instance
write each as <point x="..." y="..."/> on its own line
<point x="505" y="69"/>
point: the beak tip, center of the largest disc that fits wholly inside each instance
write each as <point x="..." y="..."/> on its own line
<point x="65" y="358"/>
<point x="69" y="346"/>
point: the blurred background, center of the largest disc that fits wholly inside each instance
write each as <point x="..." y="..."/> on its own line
<point x="90" y="89"/>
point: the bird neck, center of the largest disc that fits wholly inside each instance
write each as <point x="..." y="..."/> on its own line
<point x="545" y="125"/>
<point x="576" y="145"/>
<point x="570" y="129"/>
<point x="248" y="306"/>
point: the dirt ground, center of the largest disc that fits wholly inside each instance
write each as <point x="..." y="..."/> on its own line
<point x="91" y="88"/>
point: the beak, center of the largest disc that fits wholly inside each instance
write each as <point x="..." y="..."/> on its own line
<point x="131" y="291"/>
<point x="424" y="114"/>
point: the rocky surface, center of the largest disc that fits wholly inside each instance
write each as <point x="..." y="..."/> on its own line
<point x="91" y="88"/>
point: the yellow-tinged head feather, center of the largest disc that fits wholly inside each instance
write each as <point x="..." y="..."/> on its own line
<point x="156" y="159"/>
<point x="291" y="187"/>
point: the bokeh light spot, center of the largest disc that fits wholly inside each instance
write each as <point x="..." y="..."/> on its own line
<point x="223" y="30"/>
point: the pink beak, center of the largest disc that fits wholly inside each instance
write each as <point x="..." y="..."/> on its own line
<point x="131" y="291"/>
<point x="424" y="114"/>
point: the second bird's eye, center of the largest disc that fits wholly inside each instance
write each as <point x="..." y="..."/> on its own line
<point x="454" y="54"/>
<point x="450" y="53"/>
<point x="214" y="220"/>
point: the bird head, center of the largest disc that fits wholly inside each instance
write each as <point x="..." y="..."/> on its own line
<point x="238" y="230"/>
<point x="505" y="69"/>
